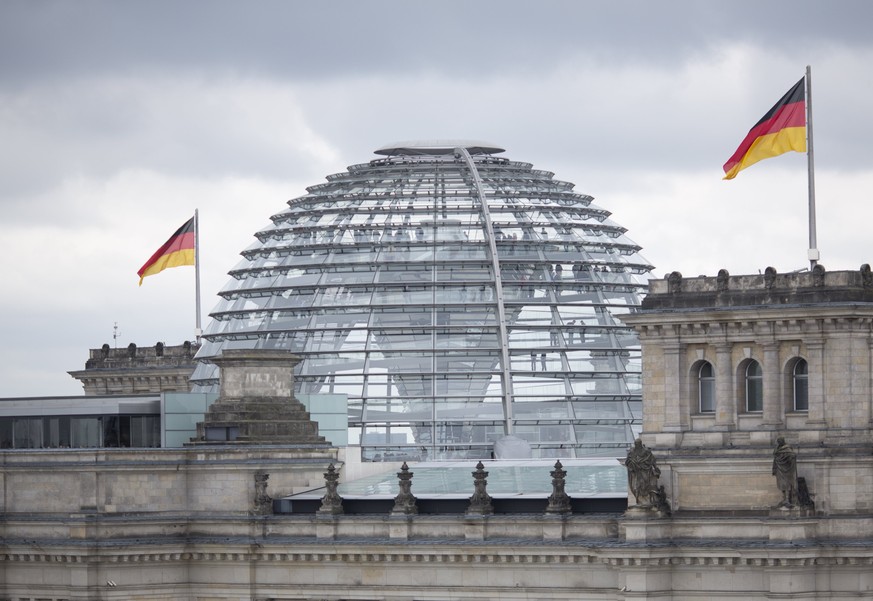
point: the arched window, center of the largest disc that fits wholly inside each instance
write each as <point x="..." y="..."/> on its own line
<point x="706" y="387"/>
<point x="800" y="380"/>
<point x="754" y="387"/>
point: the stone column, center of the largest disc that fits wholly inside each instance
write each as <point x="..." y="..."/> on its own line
<point x="774" y="400"/>
<point x="676" y="402"/>
<point x="725" y="401"/>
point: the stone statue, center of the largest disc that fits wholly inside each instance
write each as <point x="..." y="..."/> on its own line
<point x="722" y="280"/>
<point x="642" y="474"/>
<point x="660" y="501"/>
<point x="769" y="277"/>
<point x="867" y="275"/>
<point x="785" y="470"/>
<point x="818" y="275"/>
<point x="263" y="501"/>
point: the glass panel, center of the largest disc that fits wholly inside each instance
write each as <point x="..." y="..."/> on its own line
<point x="706" y="388"/>
<point x="381" y="279"/>
<point x="754" y="387"/>
<point x="28" y="433"/>
<point x="86" y="432"/>
<point x="6" y="440"/>
<point x="801" y="386"/>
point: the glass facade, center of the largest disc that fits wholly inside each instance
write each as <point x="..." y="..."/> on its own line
<point x="80" y="431"/>
<point x="454" y="296"/>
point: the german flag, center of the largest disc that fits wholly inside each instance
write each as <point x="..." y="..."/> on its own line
<point x="783" y="128"/>
<point x="175" y="252"/>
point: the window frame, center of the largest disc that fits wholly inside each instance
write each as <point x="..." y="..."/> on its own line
<point x="795" y="379"/>
<point x="753" y="386"/>
<point x="708" y="381"/>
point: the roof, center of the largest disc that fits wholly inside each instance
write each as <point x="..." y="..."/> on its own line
<point x="438" y="147"/>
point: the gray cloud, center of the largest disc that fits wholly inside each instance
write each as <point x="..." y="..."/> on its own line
<point x="119" y="118"/>
<point x="315" y="40"/>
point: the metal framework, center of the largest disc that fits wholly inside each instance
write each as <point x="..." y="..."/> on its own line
<point x="455" y="297"/>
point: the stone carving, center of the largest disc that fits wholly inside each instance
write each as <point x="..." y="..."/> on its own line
<point x="263" y="501"/>
<point x="722" y="280"/>
<point x="866" y="275"/>
<point x="642" y="474"/>
<point x="404" y="502"/>
<point x="660" y="502"/>
<point x="559" y="500"/>
<point x="104" y="351"/>
<point x="818" y="275"/>
<point x="480" y="502"/>
<point x="331" y="502"/>
<point x="804" y="497"/>
<point x="159" y="349"/>
<point x="769" y="277"/>
<point x="131" y="350"/>
<point x="674" y="280"/>
<point x="785" y="470"/>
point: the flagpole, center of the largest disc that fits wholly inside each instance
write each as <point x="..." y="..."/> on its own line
<point x="813" y="249"/>
<point x="198" y="331"/>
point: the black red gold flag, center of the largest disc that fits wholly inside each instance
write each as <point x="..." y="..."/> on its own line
<point x="781" y="130"/>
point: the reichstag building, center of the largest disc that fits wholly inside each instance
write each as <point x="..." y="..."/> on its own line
<point x="454" y="296"/>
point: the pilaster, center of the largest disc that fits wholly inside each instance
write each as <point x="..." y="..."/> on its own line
<point x="725" y="402"/>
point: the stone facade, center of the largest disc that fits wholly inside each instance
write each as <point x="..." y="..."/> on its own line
<point x="184" y="524"/>
<point x="181" y="525"/>
<point x="721" y="459"/>
<point x="138" y="370"/>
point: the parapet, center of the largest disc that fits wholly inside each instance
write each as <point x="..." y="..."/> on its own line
<point x="135" y="370"/>
<point x="769" y="288"/>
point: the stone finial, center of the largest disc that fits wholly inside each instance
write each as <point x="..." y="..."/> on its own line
<point x="769" y="277"/>
<point x="674" y="281"/>
<point x="818" y="275"/>
<point x="480" y="502"/>
<point x="559" y="501"/>
<point x="104" y="351"/>
<point x="331" y="502"/>
<point x="722" y="280"/>
<point x="866" y="276"/>
<point x="405" y="501"/>
<point x="131" y="350"/>
<point x="159" y="349"/>
<point x="263" y="502"/>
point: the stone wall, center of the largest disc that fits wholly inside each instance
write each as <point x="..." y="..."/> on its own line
<point x="109" y="481"/>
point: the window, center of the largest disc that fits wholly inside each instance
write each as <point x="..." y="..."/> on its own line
<point x="706" y="387"/>
<point x="800" y="380"/>
<point x="754" y="387"/>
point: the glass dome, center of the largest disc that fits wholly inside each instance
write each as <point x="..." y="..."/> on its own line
<point x="455" y="297"/>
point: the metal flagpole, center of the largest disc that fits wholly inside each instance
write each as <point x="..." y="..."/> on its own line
<point x="813" y="250"/>
<point x="198" y="330"/>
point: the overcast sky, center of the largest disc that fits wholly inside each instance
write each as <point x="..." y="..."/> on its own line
<point x="118" y="119"/>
